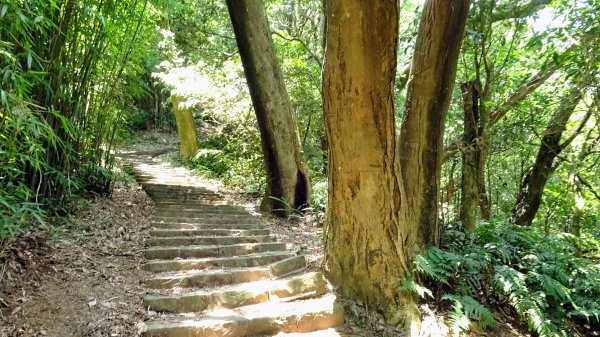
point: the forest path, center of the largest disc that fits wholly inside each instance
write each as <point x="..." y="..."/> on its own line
<point x="218" y="272"/>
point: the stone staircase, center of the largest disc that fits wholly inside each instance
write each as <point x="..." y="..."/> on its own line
<point x="219" y="272"/>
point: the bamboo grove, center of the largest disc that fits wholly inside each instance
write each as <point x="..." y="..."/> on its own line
<point x="64" y="70"/>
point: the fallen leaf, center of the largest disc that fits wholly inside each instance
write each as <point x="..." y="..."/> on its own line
<point x="16" y="310"/>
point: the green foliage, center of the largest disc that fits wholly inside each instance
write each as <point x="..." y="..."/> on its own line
<point x="467" y="308"/>
<point x="233" y="155"/>
<point x="62" y="88"/>
<point x="540" y="278"/>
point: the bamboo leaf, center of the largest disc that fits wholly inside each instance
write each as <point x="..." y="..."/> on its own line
<point x="3" y="10"/>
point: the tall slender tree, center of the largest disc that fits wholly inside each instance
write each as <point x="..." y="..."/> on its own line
<point x="432" y="76"/>
<point x="534" y="181"/>
<point x="377" y="214"/>
<point x="287" y="174"/>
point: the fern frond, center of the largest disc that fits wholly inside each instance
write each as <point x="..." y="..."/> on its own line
<point x="408" y="284"/>
<point x="437" y="264"/>
<point x="552" y="287"/>
<point x="470" y="308"/>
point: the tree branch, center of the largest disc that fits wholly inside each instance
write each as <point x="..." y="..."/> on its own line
<point x="403" y="78"/>
<point x="589" y="186"/>
<point x="515" y="11"/>
<point x="310" y="52"/>
<point x="577" y="131"/>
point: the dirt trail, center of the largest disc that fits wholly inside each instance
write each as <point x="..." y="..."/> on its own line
<point x="86" y="283"/>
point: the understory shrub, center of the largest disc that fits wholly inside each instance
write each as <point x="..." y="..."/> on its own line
<point x="541" y="279"/>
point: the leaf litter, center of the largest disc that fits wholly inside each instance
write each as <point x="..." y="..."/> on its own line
<point x="86" y="283"/>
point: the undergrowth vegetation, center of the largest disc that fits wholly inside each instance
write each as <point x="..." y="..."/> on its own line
<point x="549" y="282"/>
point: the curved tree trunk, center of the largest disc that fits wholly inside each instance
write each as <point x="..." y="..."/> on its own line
<point x="432" y="76"/>
<point x="287" y="175"/>
<point x="185" y="128"/>
<point x="534" y="181"/>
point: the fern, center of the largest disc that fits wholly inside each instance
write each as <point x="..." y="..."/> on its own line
<point x="409" y="285"/>
<point x="467" y="308"/>
<point x="540" y="278"/>
<point x="511" y="283"/>
<point x="437" y="264"/>
<point x="553" y="288"/>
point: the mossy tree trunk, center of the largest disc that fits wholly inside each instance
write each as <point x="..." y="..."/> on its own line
<point x="186" y="128"/>
<point x="288" y="184"/>
<point x="370" y="237"/>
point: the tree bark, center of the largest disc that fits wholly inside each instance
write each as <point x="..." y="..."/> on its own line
<point x="370" y="240"/>
<point x="429" y="91"/>
<point x="288" y="185"/>
<point x="469" y="176"/>
<point x="474" y="156"/>
<point x="534" y="181"/>
<point x="368" y="243"/>
<point x="185" y="128"/>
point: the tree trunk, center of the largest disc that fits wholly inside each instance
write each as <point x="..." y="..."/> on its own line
<point x="534" y="181"/>
<point x="469" y="183"/>
<point x="186" y="129"/>
<point x="288" y="185"/>
<point x="429" y="91"/>
<point x="368" y="243"/>
<point x="474" y="157"/>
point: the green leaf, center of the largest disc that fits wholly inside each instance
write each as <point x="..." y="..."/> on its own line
<point x="3" y="10"/>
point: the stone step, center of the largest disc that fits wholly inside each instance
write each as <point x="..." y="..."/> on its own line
<point x="207" y="240"/>
<point x="244" y="261"/>
<point x="253" y="320"/>
<point x="198" y="208"/>
<point x="331" y="332"/>
<point x="203" y="220"/>
<point x="193" y="210"/>
<point x="172" y="203"/>
<point x="186" y="225"/>
<point x="163" y="233"/>
<point x="306" y="286"/>
<point x="195" y="202"/>
<point x="193" y="279"/>
<point x="202" y="214"/>
<point x="179" y="191"/>
<point x="186" y="252"/>
<point x="198" y="200"/>
<point x="183" y="196"/>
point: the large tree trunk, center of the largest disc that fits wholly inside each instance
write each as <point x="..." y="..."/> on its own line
<point x="185" y="128"/>
<point x="287" y="175"/>
<point x="429" y="91"/>
<point x="368" y="243"/>
<point x="534" y="181"/>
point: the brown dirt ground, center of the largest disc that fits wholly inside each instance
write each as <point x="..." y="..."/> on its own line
<point x="87" y="283"/>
